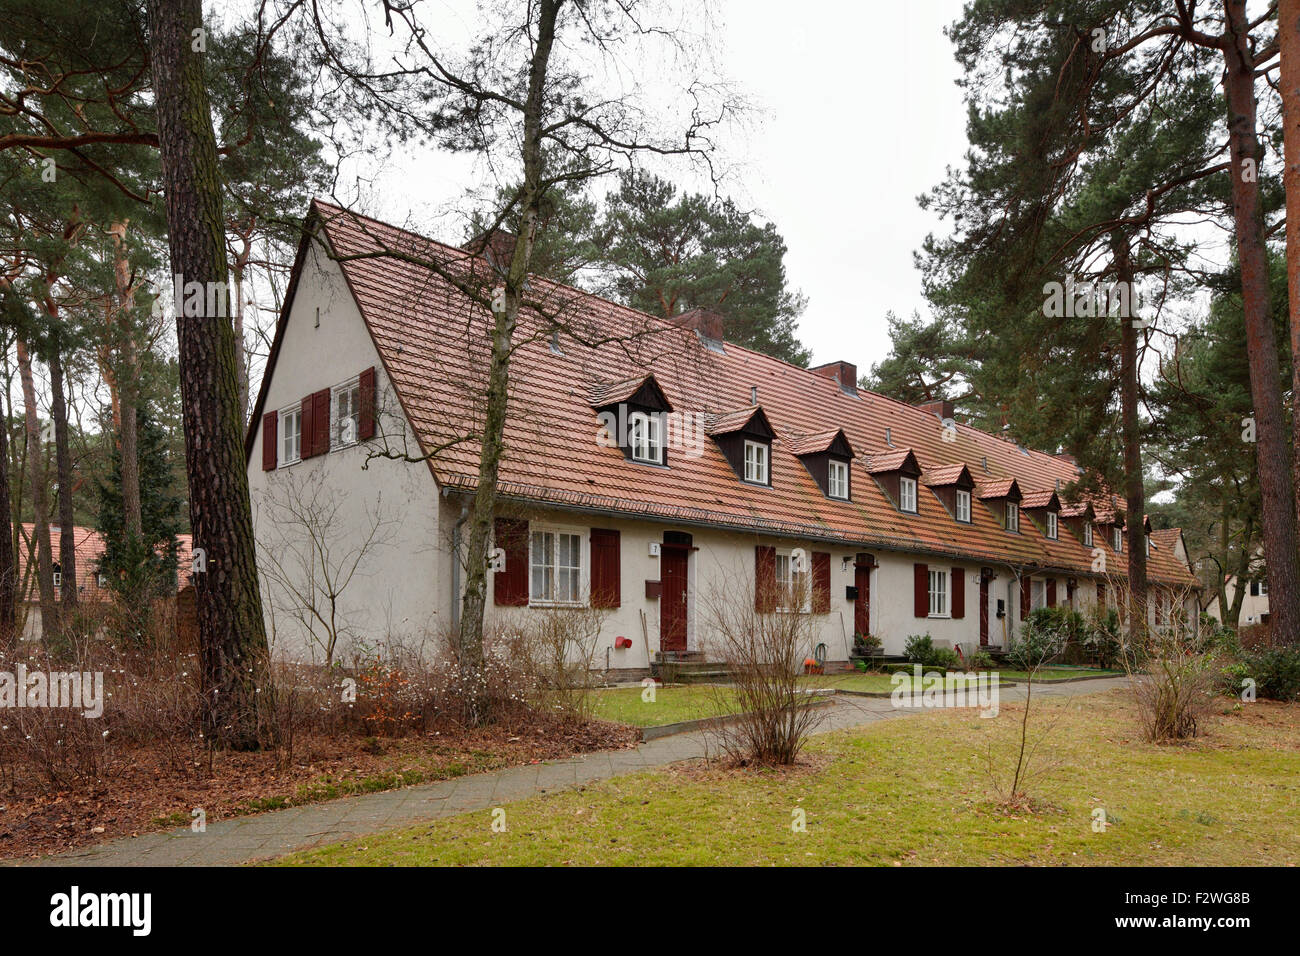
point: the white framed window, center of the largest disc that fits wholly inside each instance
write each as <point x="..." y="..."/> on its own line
<point x="290" y="435"/>
<point x="938" y="593"/>
<point x="101" y="580"/>
<point x="1013" y="516"/>
<point x="837" y="479"/>
<point x="1087" y="534"/>
<point x="1263" y="587"/>
<point x="756" y="462"/>
<point x="1037" y="594"/>
<point x="907" y="494"/>
<point x="792" y="583"/>
<point x="58" y="575"/>
<point x="555" y="566"/>
<point x="1118" y="536"/>
<point x="1051" y="525"/>
<point x="646" y="438"/>
<point x="345" y="402"/>
<point x="963" y="505"/>
<point x="1147" y="539"/>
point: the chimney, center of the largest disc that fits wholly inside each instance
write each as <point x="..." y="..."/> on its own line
<point x="497" y="246"/>
<point x="942" y="409"/>
<point x="1066" y="456"/>
<point x="844" y="374"/>
<point x="705" y="322"/>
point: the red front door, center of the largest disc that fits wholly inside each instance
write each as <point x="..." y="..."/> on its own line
<point x="862" y="604"/>
<point x="672" y="599"/>
<point x="984" y="610"/>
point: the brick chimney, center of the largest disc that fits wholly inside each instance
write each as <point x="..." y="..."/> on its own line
<point x="497" y="246"/>
<point x="845" y="374"/>
<point x="706" y="322"/>
<point x="943" y="410"/>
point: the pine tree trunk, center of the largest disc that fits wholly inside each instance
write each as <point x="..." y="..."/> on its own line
<point x="470" y="638"/>
<point x="8" y="568"/>
<point x="239" y="264"/>
<point x="1272" y="459"/>
<point x="232" y="631"/>
<point x="1134" y="490"/>
<point x="128" y="386"/>
<point x="63" y="471"/>
<point x="41" y="521"/>
<point x="1288" y="33"/>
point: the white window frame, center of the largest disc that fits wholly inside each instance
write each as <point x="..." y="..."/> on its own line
<point x="963" y="505"/>
<point x="645" y="437"/>
<point x="337" y="419"/>
<point x="58" y="576"/>
<point x="1117" y="536"/>
<point x="101" y="580"/>
<point x="940" y="589"/>
<point x="1012" y="519"/>
<point x="757" y="465"/>
<point x="786" y="577"/>
<point x="1148" y="544"/>
<point x="555" y="532"/>
<point x="1037" y="593"/>
<point x="1263" y="587"/>
<point x="1052" y="526"/>
<point x="282" y="435"/>
<point x="907" y="494"/>
<point x="837" y="479"/>
<point x="1087" y="534"/>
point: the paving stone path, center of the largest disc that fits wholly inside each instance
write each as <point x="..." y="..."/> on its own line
<point x="278" y="832"/>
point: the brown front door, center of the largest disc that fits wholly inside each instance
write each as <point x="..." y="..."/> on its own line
<point x="984" y="610"/>
<point x="862" y="604"/>
<point x="672" y="598"/>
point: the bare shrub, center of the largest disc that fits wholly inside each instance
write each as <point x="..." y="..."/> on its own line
<point x="555" y="649"/>
<point x="1038" y="646"/>
<point x="763" y="642"/>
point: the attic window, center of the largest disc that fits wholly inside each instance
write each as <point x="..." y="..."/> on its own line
<point x="1118" y="535"/>
<point x="1013" y="516"/>
<point x="907" y="494"/>
<point x="756" y="462"/>
<point x="889" y="438"/>
<point x="1051" y="525"/>
<point x="963" y="505"/>
<point x="838" y="479"/>
<point x="646" y="438"/>
<point x="1087" y="534"/>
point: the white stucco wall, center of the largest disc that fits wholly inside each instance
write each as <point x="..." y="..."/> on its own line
<point x="393" y="597"/>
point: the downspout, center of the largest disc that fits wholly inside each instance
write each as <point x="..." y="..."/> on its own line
<point x="455" y="565"/>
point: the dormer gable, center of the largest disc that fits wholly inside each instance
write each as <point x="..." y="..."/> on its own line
<point x="1043" y="509"/>
<point x="1080" y="518"/>
<point x="827" y="455"/>
<point x="898" y="474"/>
<point x="633" y="412"/>
<point x="744" y="436"/>
<point x="953" y="486"/>
<point x="1002" y="496"/>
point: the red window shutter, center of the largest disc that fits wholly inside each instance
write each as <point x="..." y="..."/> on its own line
<point x="1051" y="592"/>
<point x="921" y="590"/>
<point x="605" y="568"/>
<point x="958" y="593"/>
<point x="510" y="587"/>
<point x="821" y="578"/>
<point x="366" y="427"/>
<point x="764" y="579"/>
<point x="1026" y="596"/>
<point x="320" y="441"/>
<point x="305" y="430"/>
<point x="270" y="438"/>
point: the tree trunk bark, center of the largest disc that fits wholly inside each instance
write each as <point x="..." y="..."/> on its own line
<point x="63" y="471"/>
<point x="41" y="521"/>
<point x="8" y="567"/>
<point x="1288" y="34"/>
<point x="1273" y="461"/>
<point x="128" y="385"/>
<point x="240" y="262"/>
<point x="232" y="631"/>
<point x="470" y="638"/>
<point x="1134" y="490"/>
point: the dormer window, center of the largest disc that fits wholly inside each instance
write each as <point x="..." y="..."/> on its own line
<point x="646" y="438"/>
<point x="1148" y="545"/>
<point x="837" y="479"/>
<point x="1087" y="534"/>
<point x="1013" y="516"/>
<point x="907" y="494"/>
<point x="1118" y="535"/>
<point x="1051" y="525"/>
<point x="756" y="462"/>
<point x="963" y="505"/>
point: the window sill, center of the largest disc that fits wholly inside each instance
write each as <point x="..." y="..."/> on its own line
<point x="652" y="464"/>
<point x="535" y="602"/>
<point x="938" y="617"/>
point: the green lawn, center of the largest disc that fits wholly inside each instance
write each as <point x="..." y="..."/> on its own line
<point x="914" y="791"/>
<point x="670" y="704"/>
<point x="883" y="683"/>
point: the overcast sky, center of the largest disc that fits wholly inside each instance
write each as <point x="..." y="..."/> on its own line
<point x="856" y="115"/>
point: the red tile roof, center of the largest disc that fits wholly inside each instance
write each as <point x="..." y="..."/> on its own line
<point x="431" y="339"/>
<point x="945" y="475"/>
<point x="89" y="549"/>
<point x="811" y="444"/>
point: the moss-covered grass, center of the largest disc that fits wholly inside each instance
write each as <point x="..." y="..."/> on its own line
<point x="670" y="704"/>
<point x="916" y="791"/>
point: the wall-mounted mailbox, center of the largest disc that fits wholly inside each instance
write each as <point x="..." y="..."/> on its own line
<point x="850" y="593"/>
<point x="653" y="589"/>
<point x="1002" y="608"/>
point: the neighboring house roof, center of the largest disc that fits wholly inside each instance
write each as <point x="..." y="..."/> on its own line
<point x="431" y="339"/>
<point x="89" y="550"/>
